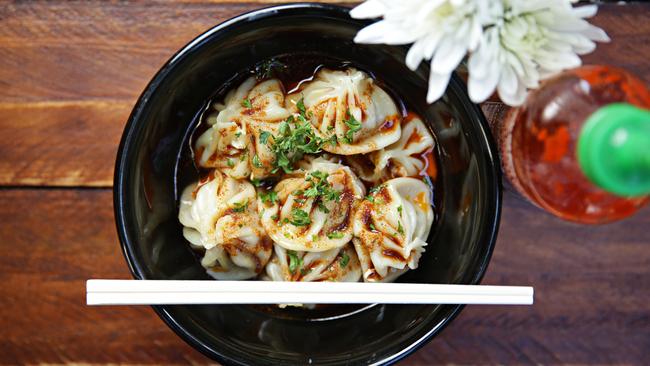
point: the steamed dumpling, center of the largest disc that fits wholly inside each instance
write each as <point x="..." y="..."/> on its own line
<point x="313" y="212"/>
<point x="401" y="159"/>
<point x="390" y="228"/>
<point x="339" y="265"/>
<point x="232" y="143"/>
<point x="220" y="215"/>
<point x="351" y="106"/>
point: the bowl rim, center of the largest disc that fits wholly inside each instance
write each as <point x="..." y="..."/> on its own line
<point x="119" y="186"/>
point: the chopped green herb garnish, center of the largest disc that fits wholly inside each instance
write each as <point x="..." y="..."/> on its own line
<point x="284" y="129"/>
<point x="291" y="144"/>
<point x="399" y="209"/>
<point x="256" y="161"/>
<point x="238" y="134"/>
<point x="335" y="235"/>
<point x="321" y="206"/>
<point x="370" y="198"/>
<point x="400" y="229"/>
<point x="319" y="175"/>
<point x="304" y="271"/>
<point x="240" y="206"/>
<point x="264" y="136"/>
<point x="320" y="187"/>
<point x="299" y="192"/>
<point x="275" y="217"/>
<point x="269" y="197"/>
<point x="243" y="156"/>
<point x="294" y="261"/>
<point x="332" y="140"/>
<point x="230" y="163"/>
<point x="353" y="126"/>
<point x="345" y="259"/>
<point x="376" y="188"/>
<point x="299" y="217"/>
<point x="256" y="182"/>
<point x="314" y="237"/>
<point x="372" y="227"/>
<point x="246" y="103"/>
<point x="268" y="69"/>
<point x="301" y="106"/>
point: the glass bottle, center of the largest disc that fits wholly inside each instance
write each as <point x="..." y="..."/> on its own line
<point x="579" y="146"/>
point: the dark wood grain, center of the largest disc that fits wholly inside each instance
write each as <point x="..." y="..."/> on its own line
<point x="90" y="56"/>
<point x="591" y="305"/>
<point x="60" y="143"/>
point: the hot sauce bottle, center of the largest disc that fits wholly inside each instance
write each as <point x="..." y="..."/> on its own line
<point x="579" y="147"/>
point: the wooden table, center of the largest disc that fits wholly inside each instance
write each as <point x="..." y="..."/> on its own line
<point x="69" y="75"/>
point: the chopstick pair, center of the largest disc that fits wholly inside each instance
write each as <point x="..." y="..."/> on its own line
<point x="159" y="292"/>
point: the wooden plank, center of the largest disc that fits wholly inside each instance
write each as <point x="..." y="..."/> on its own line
<point x="60" y="143"/>
<point x="64" y="64"/>
<point x="52" y="241"/>
<point x="592" y="289"/>
<point x="90" y="50"/>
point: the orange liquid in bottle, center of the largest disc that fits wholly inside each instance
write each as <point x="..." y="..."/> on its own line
<point x="538" y="143"/>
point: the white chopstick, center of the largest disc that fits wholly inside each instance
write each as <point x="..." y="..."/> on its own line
<point x="159" y="292"/>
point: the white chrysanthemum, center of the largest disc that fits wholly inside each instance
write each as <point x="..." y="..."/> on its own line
<point x="440" y="30"/>
<point x="531" y="41"/>
<point x="512" y="43"/>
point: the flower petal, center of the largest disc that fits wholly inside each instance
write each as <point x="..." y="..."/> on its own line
<point x="384" y="32"/>
<point x="596" y="34"/>
<point x="586" y="11"/>
<point x="437" y="86"/>
<point x="415" y="55"/>
<point x="481" y="89"/>
<point x="448" y="55"/>
<point x="369" y="9"/>
<point x="512" y="97"/>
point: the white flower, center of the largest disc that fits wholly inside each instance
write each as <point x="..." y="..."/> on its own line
<point x="512" y="43"/>
<point x="532" y="40"/>
<point x="440" y="30"/>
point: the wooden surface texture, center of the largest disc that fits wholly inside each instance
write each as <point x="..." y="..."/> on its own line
<point x="70" y="73"/>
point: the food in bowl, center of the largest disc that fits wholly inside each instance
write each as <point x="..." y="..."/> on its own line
<point x="318" y="175"/>
<point x="154" y="165"/>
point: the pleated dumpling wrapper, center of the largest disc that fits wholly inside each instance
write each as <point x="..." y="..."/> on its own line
<point x="391" y="227"/>
<point x="220" y="215"/>
<point x="338" y="265"/>
<point x="404" y="158"/>
<point x="312" y="212"/>
<point x="348" y="104"/>
<point x="233" y="143"/>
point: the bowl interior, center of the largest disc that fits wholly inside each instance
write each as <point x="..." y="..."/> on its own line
<point x="467" y="190"/>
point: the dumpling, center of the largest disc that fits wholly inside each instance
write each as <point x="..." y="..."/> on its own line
<point x="220" y="215"/>
<point x="390" y="228"/>
<point x="233" y="143"/>
<point x="401" y="159"/>
<point x="351" y="106"/>
<point x="339" y="265"/>
<point x="312" y="212"/>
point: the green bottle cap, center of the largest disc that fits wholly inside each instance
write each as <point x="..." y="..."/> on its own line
<point x="614" y="149"/>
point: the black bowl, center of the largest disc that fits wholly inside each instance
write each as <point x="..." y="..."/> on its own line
<point x="146" y="190"/>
